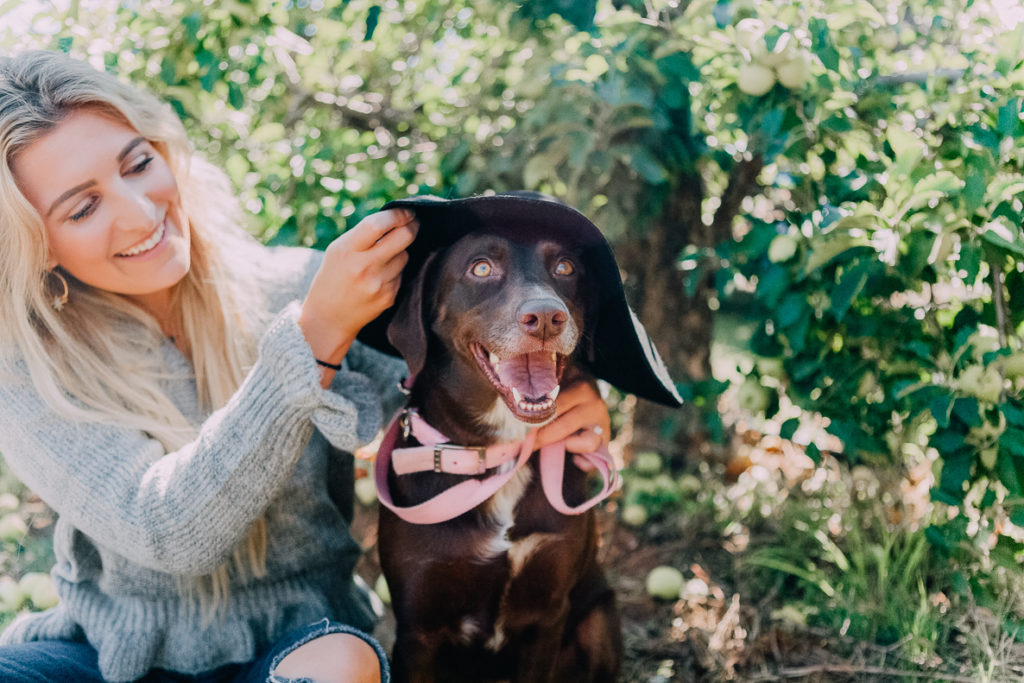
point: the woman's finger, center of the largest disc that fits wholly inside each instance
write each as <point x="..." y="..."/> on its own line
<point x="375" y="226"/>
<point x="580" y="406"/>
<point x="396" y="240"/>
<point x="585" y="440"/>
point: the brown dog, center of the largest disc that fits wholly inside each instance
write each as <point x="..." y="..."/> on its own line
<point x="511" y="589"/>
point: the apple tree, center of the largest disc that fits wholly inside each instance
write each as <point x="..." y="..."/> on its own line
<point x="848" y="175"/>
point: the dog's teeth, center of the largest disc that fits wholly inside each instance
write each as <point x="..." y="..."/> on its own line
<point x="516" y="396"/>
<point x="553" y="394"/>
<point x="494" y="359"/>
<point x="554" y="357"/>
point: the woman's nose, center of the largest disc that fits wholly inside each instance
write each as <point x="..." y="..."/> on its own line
<point x="135" y="208"/>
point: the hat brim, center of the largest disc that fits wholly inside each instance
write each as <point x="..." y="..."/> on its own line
<point x="624" y="354"/>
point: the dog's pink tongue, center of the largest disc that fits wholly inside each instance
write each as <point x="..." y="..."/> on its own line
<point x="533" y="374"/>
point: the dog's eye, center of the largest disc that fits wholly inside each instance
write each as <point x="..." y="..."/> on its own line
<point x="481" y="269"/>
<point x="564" y="267"/>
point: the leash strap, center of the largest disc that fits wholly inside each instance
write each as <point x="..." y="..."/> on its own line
<point x="552" y="470"/>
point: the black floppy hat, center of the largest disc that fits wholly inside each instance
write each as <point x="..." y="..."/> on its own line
<point x="624" y="355"/>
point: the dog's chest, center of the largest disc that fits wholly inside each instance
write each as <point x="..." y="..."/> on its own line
<point x="500" y="510"/>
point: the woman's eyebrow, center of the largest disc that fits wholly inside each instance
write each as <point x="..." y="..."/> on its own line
<point x="89" y="183"/>
<point x="70" y="193"/>
<point x="129" y="147"/>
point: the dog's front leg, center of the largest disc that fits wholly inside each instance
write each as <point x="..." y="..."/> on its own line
<point x="537" y="656"/>
<point x="537" y="661"/>
<point x="413" y="657"/>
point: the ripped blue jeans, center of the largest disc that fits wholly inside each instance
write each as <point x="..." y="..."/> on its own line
<point x="46" y="661"/>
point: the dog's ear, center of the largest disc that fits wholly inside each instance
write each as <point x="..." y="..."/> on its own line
<point x="407" y="331"/>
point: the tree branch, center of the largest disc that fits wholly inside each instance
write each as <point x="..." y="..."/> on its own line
<point x="742" y="184"/>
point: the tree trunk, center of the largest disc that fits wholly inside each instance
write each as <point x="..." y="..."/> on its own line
<point x="681" y="326"/>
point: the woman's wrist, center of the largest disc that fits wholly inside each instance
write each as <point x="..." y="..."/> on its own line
<point x="329" y="344"/>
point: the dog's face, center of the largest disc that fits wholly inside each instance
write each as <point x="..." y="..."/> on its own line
<point x="508" y="315"/>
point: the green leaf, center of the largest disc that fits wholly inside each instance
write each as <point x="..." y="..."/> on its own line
<point x="1011" y="441"/>
<point x="235" y="97"/>
<point x="822" y="44"/>
<point x="938" y="184"/>
<point x="168" y="71"/>
<point x="287" y="234"/>
<point x="679" y="66"/>
<point x="830" y="246"/>
<point x="649" y="168"/>
<point x="994" y="238"/>
<point x="790" y="310"/>
<point x="966" y="409"/>
<point x="908" y="149"/>
<point x="372" y="17"/>
<point x="1011" y="472"/>
<point x="1014" y="415"/>
<point x="975" y="188"/>
<point x="956" y="470"/>
<point x="947" y="442"/>
<point x="789" y="427"/>
<point x="970" y="261"/>
<point x="1005" y="188"/>
<point x="849" y="286"/>
<point x="1009" y="117"/>
<point x="941" y="408"/>
<point x="192" y="23"/>
<point x="454" y="159"/>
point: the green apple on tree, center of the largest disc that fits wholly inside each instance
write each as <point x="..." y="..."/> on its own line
<point x="755" y="79"/>
<point x="795" y="72"/>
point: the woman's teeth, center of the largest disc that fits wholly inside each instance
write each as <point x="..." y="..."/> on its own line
<point x="153" y="240"/>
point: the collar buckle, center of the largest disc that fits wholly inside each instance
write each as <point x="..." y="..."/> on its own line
<point x="481" y="454"/>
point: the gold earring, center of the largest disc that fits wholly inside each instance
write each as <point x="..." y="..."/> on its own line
<point x="62" y="298"/>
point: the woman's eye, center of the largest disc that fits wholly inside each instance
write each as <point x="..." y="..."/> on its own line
<point x="481" y="269"/>
<point x="86" y="209"/>
<point x="141" y="166"/>
<point x="564" y="267"/>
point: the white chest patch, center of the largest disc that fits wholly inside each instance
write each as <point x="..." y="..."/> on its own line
<point x="501" y="509"/>
<point x="501" y="506"/>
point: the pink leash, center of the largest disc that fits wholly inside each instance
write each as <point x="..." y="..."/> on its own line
<point x="435" y="454"/>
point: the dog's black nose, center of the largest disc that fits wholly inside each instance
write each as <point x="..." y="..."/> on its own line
<point x="542" y="318"/>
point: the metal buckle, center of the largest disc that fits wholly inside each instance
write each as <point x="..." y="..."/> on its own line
<point x="405" y="423"/>
<point x="481" y="454"/>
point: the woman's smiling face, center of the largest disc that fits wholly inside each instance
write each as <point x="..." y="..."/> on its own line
<point x="110" y="205"/>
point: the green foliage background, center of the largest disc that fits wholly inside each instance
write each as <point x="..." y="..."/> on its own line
<point x="867" y="223"/>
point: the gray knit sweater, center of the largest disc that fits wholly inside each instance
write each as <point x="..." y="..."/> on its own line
<point x="132" y="518"/>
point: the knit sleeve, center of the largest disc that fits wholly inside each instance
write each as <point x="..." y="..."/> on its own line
<point x="383" y="371"/>
<point x="363" y="368"/>
<point x="184" y="511"/>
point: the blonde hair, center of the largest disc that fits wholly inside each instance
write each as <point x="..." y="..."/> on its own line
<point x="78" y="361"/>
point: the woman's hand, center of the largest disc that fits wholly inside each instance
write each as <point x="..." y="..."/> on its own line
<point x="358" y="279"/>
<point x="582" y="420"/>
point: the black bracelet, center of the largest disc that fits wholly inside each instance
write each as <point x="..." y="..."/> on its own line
<point x="324" y="363"/>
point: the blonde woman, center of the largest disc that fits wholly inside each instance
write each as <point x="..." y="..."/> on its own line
<point x="183" y="398"/>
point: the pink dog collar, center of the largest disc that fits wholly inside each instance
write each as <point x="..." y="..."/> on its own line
<point x="436" y="454"/>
